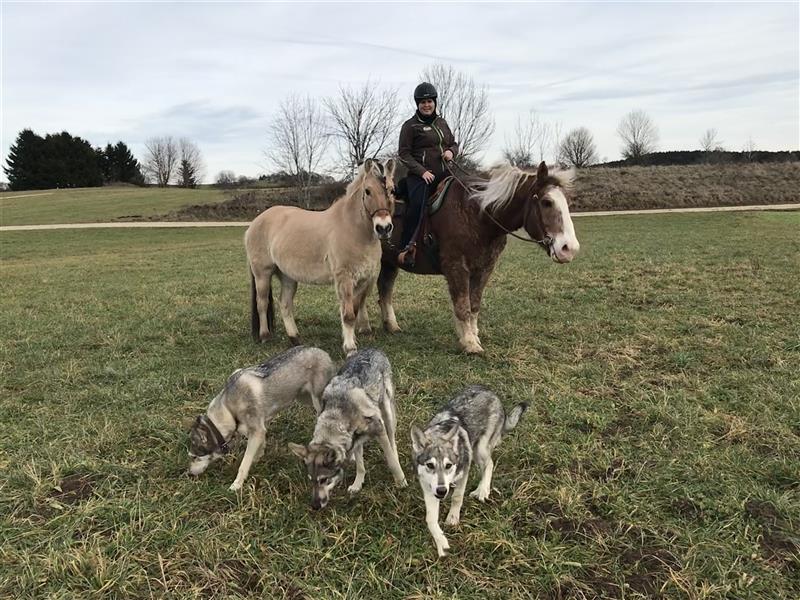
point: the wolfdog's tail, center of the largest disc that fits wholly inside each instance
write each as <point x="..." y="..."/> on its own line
<point x="514" y="415"/>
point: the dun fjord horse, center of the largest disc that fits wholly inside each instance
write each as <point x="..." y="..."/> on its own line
<point x="471" y="228"/>
<point x="340" y="245"/>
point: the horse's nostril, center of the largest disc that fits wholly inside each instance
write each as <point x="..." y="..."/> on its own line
<point x="565" y="248"/>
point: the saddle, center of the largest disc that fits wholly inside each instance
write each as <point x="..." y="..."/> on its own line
<point x="423" y="231"/>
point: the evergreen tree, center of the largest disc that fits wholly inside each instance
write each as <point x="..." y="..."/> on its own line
<point x="186" y="174"/>
<point x="24" y="162"/>
<point x="119" y="165"/>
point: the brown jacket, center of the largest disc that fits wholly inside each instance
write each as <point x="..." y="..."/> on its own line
<point x="422" y="145"/>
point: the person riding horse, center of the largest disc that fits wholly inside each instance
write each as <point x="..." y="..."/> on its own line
<point x="426" y="144"/>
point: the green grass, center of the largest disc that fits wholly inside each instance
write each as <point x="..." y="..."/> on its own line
<point x="660" y="457"/>
<point x="91" y="205"/>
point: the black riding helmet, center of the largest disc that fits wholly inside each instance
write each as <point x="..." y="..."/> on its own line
<point x="425" y="91"/>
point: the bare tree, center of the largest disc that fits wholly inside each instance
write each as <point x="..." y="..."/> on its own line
<point x="749" y="149"/>
<point x="577" y="148"/>
<point x="225" y="178"/>
<point x="709" y="141"/>
<point x="529" y="135"/>
<point x="363" y="121"/>
<point x="161" y="157"/>
<point x="554" y="139"/>
<point x="639" y="134"/>
<point x="465" y="105"/>
<point x="298" y="140"/>
<point x="191" y="169"/>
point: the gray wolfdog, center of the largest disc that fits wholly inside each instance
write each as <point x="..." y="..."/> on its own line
<point x="358" y="404"/>
<point x="251" y="399"/>
<point x="470" y="426"/>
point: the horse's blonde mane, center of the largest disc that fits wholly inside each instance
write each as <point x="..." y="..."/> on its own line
<point x="504" y="179"/>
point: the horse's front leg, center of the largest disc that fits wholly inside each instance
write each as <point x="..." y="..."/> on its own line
<point x="477" y="283"/>
<point x="386" y="280"/>
<point x="347" y="311"/>
<point x="360" y="304"/>
<point x="458" y="285"/>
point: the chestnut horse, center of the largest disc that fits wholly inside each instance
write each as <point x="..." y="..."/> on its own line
<point x="341" y="244"/>
<point x="471" y="229"/>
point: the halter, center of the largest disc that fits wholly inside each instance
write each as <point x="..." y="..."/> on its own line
<point x="546" y="242"/>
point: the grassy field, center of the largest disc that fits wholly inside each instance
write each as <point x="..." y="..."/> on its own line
<point x="660" y="457"/>
<point x="91" y="205"/>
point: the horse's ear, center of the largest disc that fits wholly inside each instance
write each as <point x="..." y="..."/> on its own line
<point x="374" y="167"/>
<point x="542" y="172"/>
<point x="389" y="168"/>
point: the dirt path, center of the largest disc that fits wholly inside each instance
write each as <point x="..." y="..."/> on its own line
<point x="176" y="224"/>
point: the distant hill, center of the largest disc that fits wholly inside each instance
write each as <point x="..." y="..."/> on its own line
<point x="701" y="157"/>
<point x="628" y="188"/>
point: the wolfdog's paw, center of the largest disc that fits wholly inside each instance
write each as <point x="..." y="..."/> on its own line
<point x="452" y="519"/>
<point x="442" y="546"/>
<point x="354" y="489"/>
<point x="479" y="494"/>
<point x="235" y="486"/>
<point x="402" y="483"/>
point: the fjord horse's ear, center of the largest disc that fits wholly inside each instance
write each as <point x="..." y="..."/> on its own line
<point x="388" y="173"/>
<point x="541" y="174"/>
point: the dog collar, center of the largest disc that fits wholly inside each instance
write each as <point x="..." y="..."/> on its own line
<point x="219" y="439"/>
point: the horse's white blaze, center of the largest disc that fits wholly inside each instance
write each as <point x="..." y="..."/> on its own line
<point x="565" y="244"/>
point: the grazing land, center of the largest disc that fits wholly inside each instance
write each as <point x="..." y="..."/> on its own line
<point x="597" y="189"/>
<point x="660" y="456"/>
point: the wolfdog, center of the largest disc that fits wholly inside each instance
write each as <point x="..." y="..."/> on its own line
<point x="250" y="400"/>
<point x="470" y="426"/>
<point x="358" y="404"/>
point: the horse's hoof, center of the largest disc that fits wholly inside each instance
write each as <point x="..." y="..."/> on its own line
<point x="391" y="327"/>
<point x="264" y="338"/>
<point x="295" y="340"/>
<point x="473" y="349"/>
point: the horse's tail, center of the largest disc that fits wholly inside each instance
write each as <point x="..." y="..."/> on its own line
<point x="270" y="311"/>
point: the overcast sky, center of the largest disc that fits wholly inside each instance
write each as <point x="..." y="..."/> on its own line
<point x="215" y="72"/>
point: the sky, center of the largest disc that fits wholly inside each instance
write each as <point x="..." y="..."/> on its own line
<point x="216" y="72"/>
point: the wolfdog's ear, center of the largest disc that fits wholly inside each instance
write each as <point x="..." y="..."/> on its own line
<point x="541" y="173"/>
<point x="298" y="450"/>
<point x="418" y="439"/>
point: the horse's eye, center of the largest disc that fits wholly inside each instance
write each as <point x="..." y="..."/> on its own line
<point x="369" y="193"/>
<point x="547" y="203"/>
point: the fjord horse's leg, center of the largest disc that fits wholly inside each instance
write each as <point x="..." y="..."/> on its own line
<point x="386" y="281"/>
<point x="458" y="285"/>
<point x="262" y="279"/>
<point x="344" y="290"/>
<point x="288" y="289"/>
<point x="362" y="314"/>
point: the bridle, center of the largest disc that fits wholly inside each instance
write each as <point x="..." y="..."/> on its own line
<point x="546" y="242"/>
<point x="372" y="214"/>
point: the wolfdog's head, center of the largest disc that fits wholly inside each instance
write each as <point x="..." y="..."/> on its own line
<point x="436" y="456"/>
<point x="204" y="446"/>
<point x="325" y="466"/>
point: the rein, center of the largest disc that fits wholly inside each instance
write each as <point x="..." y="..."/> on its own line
<point x="546" y="241"/>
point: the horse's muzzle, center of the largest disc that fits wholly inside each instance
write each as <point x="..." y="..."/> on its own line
<point x="383" y="227"/>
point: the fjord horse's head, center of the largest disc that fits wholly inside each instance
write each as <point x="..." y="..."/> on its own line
<point x="378" y="201"/>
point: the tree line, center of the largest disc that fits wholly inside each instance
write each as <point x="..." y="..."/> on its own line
<point x="61" y="160"/>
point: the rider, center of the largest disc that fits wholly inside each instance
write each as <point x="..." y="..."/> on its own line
<point x="426" y="143"/>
